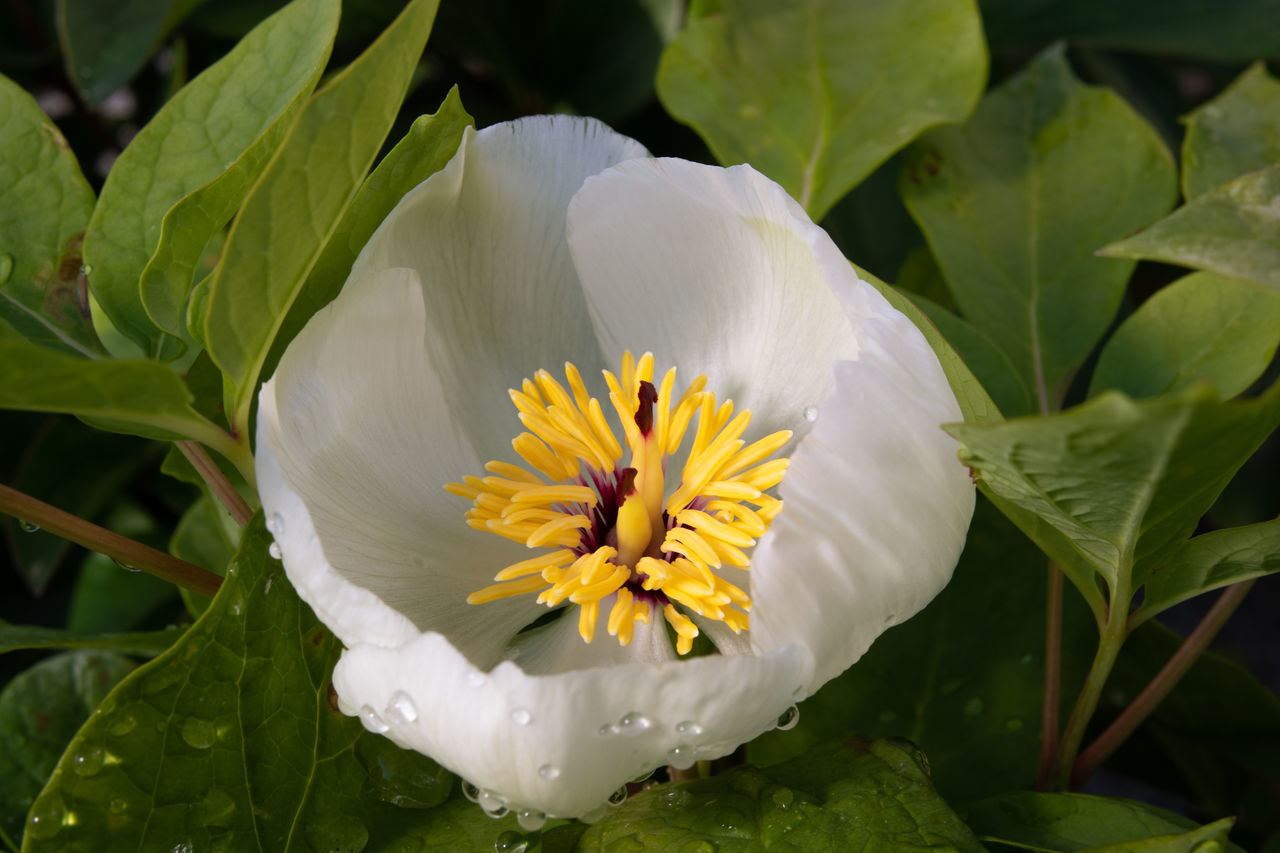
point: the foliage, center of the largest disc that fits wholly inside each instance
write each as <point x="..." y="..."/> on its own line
<point x="202" y="177"/>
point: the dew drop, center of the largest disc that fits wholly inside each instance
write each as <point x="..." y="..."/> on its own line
<point x="122" y="725"/>
<point x="476" y="679"/>
<point x="118" y="805"/>
<point x="275" y="524"/>
<point x="549" y="772"/>
<point x="531" y="820"/>
<point x="682" y="757"/>
<point x="274" y="550"/>
<point x="511" y="841"/>
<point x="85" y="269"/>
<point x="974" y="707"/>
<point x="688" y="727"/>
<point x="182" y="847"/>
<point x="471" y="792"/>
<point x="88" y="761"/>
<point x="618" y="797"/>
<point x="635" y="723"/>
<point x="27" y="526"/>
<point x="783" y="798"/>
<point x="125" y="566"/>
<point x="607" y="730"/>
<point x="46" y="817"/>
<point x="789" y="718"/>
<point x="810" y="413"/>
<point x="522" y="716"/>
<point x="401" y="710"/>
<point x="266" y="587"/>
<point x="217" y="807"/>
<point x="198" y="733"/>
<point x="372" y="721"/>
<point x="492" y="803"/>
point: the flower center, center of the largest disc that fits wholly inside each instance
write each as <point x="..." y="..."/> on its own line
<point x="617" y="538"/>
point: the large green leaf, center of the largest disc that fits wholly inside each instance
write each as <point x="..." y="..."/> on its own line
<point x="1227" y="30"/>
<point x="968" y="696"/>
<point x="44" y="205"/>
<point x="856" y="795"/>
<point x="186" y="172"/>
<point x="1236" y="132"/>
<point x="1202" y="327"/>
<point x="228" y="741"/>
<point x="816" y="94"/>
<point x="1124" y="482"/>
<point x="40" y="710"/>
<point x="1210" y="561"/>
<point x="1233" y="230"/>
<point x="1068" y="822"/>
<point x="1015" y="202"/>
<point x="141" y="397"/>
<point x="104" y="44"/>
<point x="296" y="206"/>
<point x="424" y="150"/>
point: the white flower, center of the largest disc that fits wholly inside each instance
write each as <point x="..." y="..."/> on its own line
<point x="554" y="240"/>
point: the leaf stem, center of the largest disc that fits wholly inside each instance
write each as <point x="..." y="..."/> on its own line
<point x="232" y="446"/>
<point x="1163" y="682"/>
<point x="1113" y="634"/>
<point x="216" y="481"/>
<point x="1052" y="676"/>
<point x="123" y="550"/>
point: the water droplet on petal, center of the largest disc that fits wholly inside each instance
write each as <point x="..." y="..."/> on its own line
<point x="198" y="733"/>
<point x="682" y="757"/>
<point x="27" y="526"/>
<point x="372" y="721"/>
<point x="88" y="761"/>
<point x="549" y="772"/>
<point x="493" y="803"/>
<point x="607" y="730"/>
<point x="522" y="716"/>
<point x="618" y="797"/>
<point x="810" y="413"/>
<point x="511" y="841"/>
<point x="471" y="792"/>
<point x="635" y="723"/>
<point x="274" y="550"/>
<point x="275" y="524"/>
<point x="531" y="820"/>
<point x="789" y="718"/>
<point x="401" y="710"/>
<point x="688" y="727"/>
<point x="476" y="679"/>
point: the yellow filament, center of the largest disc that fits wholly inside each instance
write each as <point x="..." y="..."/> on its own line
<point x="673" y="546"/>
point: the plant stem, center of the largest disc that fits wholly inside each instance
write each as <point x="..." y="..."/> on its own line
<point x="1164" y="681"/>
<point x="1114" y="631"/>
<point x="123" y="550"/>
<point x="1052" y="676"/>
<point x="216" y="481"/>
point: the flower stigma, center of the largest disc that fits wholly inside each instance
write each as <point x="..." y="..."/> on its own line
<point x="617" y="538"/>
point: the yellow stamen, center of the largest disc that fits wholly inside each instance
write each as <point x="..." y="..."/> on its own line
<point x="617" y="536"/>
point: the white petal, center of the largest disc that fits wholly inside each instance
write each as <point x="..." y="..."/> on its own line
<point x="536" y="740"/>
<point x="487" y="236"/>
<point x="715" y="271"/>
<point x="876" y="504"/>
<point x="355" y="443"/>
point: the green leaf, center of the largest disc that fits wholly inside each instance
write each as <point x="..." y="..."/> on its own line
<point x="1236" y="132"/>
<point x="855" y="795"/>
<point x="969" y="698"/>
<point x="196" y="160"/>
<point x="44" y="205"/>
<point x="207" y="536"/>
<point x="1053" y="822"/>
<point x="145" y="644"/>
<point x="430" y="143"/>
<point x="141" y="397"/>
<point x="817" y="94"/>
<point x="104" y="44"/>
<point x="1225" y="30"/>
<point x="1125" y="482"/>
<point x="987" y="361"/>
<point x="40" y="710"/>
<point x="1233" y="230"/>
<point x="229" y="741"/>
<point x="1210" y="561"/>
<point x="1015" y="202"/>
<point x="1202" y="327"/>
<point x="297" y="205"/>
<point x="975" y="403"/>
